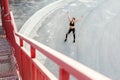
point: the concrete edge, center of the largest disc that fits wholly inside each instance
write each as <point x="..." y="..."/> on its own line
<point x="40" y="15"/>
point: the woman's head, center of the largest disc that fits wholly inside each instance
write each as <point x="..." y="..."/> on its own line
<point x="73" y="19"/>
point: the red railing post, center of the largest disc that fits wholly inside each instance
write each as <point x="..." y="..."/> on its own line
<point x="7" y="22"/>
<point x="21" y="42"/>
<point x="21" y="64"/>
<point x="63" y="75"/>
<point x="34" y="73"/>
<point x="33" y="52"/>
<point x="6" y="13"/>
<point x="6" y="6"/>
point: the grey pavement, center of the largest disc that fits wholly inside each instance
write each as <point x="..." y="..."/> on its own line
<point x="7" y="61"/>
<point x="97" y="35"/>
<point x="23" y="9"/>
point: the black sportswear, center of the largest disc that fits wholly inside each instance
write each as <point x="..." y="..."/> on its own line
<point x="73" y="30"/>
<point x="72" y="23"/>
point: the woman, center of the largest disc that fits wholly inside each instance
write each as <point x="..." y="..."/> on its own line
<point x="72" y="27"/>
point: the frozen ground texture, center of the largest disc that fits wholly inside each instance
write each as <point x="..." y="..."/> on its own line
<point x="97" y="34"/>
<point x="23" y="9"/>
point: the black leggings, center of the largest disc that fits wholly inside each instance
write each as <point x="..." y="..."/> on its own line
<point x="73" y="30"/>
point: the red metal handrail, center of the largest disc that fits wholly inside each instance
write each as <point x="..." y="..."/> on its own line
<point x="67" y="66"/>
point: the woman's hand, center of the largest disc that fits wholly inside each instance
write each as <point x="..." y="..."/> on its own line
<point x="68" y="16"/>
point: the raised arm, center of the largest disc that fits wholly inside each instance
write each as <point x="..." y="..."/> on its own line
<point x="68" y="16"/>
<point x="78" y="19"/>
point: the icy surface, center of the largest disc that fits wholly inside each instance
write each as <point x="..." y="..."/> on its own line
<point x="23" y="9"/>
<point x="97" y="34"/>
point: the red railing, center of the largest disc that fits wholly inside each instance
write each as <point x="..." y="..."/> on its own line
<point x="30" y="68"/>
<point x="66" y="65"/>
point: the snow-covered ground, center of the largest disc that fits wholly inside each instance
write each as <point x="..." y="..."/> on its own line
<point x="97" y="35"/>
